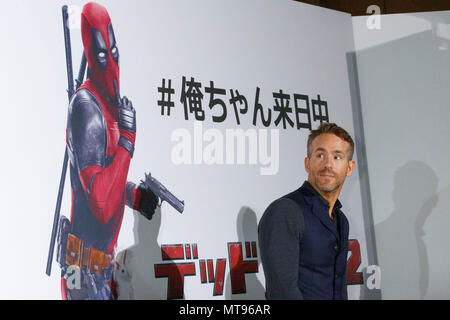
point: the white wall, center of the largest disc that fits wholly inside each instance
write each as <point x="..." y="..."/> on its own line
<point x="404" y="77"/>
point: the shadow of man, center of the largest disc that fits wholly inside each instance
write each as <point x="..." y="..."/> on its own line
<point x="402" y="254"/>
<point x="435" y="237"/>
<point x="247" y="230"/>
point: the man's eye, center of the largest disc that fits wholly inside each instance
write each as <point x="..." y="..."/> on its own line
<point x="338" y="157"/>
<point x="320" y="156"/>
<point x="114" y="50"/>
<point x="101" y="55"/>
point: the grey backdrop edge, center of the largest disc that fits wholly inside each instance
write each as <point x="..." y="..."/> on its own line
<point x="352" y="67"/>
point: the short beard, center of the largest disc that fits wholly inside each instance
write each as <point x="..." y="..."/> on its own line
<point x="328" y="190"/>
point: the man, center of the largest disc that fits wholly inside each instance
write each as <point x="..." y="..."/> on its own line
<point x="101" y="131"/>
<point x="303" y="236"/>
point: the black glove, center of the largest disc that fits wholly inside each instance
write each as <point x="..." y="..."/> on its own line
<point x="148" y="203"/>
<point x="127" y="115"/>
<point x="127" y="125"/>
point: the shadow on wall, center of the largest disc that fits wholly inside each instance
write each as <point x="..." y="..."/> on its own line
<point x="247" y="230"/>
<point x="436" y="241"/>
<point x="404" y="86"/>
<point x="402" y="253"/>
<point x="136" y="274"/>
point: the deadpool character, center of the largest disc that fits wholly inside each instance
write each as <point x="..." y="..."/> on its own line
<point x="101" y="133"/>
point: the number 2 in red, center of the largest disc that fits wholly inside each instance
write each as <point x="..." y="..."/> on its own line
<point x="353" y="263"/>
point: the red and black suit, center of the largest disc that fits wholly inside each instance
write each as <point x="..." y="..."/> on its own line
<point x="101" y="132"/>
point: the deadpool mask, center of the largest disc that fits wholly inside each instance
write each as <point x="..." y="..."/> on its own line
<point x="100" y="49"/>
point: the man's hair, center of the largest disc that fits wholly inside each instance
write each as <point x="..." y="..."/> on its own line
<point x="332" y="128"/>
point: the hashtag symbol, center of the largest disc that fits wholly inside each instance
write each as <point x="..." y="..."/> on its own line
<point x="166" y="95"/>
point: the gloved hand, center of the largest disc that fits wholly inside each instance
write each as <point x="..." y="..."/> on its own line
<point x="127" y="124"/>
<point x="149" y="201"/>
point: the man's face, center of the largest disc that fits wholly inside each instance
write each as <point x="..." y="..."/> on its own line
<point x="328" y="165"/>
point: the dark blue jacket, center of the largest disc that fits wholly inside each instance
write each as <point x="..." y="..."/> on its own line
<point x="303" y="251"/>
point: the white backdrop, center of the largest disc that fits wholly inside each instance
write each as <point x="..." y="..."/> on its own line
<point x="404" y="76"/>
<point x="240" y="45"/>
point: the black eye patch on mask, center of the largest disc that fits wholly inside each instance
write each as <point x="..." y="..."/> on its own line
<point x="99" y="49"/>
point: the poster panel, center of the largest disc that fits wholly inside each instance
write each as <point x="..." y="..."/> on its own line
<point x="225" y="94"/>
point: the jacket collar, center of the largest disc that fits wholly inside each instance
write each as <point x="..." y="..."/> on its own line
<point x="320" y="207"/>
<point x="313" y="193"/>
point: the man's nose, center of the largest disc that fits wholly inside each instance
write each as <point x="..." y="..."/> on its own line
<point x="328" y="162"/>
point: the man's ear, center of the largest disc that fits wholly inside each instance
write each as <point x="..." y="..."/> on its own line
<point x="351" y="167"/>
<point x="307" y="164"/>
